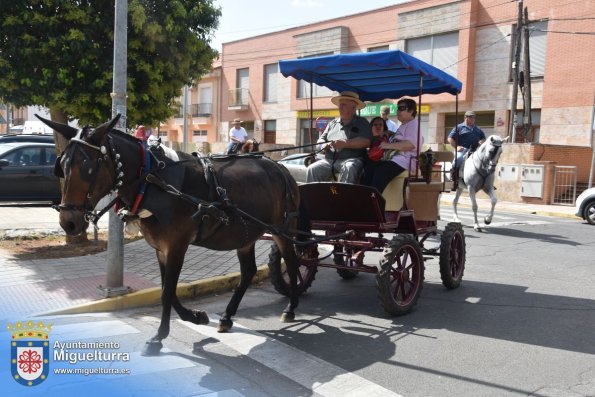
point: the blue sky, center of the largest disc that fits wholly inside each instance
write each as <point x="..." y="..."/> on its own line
<point x="242" y="19"/>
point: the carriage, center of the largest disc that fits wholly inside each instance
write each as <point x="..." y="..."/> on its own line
<point x="229" y="202"/>
<point x="352" y="220"/>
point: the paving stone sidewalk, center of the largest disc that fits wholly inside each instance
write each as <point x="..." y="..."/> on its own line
<point x="32" y="286"/>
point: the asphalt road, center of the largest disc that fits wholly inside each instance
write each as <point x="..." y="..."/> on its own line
<point x="520" y="324"/>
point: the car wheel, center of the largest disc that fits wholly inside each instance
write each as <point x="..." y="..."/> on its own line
<point x="589" y="213"/>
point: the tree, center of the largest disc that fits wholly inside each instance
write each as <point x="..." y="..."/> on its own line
<point x="59" y="54"/>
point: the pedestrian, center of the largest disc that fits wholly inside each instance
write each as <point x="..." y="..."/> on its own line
<point x="344" y="141"/>
<point x="384" y="113"/>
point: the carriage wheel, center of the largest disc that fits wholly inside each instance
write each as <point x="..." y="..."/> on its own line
<point x="401" y="275"/>
<point x="452" y="255"/>
<point x="278" y="270"/>
<point x="339" y="259"/>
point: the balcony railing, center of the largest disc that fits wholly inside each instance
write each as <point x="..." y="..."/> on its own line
<point x="198" y="110"/>
<point x="201" y="109"/>
<point x="238" y="98"/>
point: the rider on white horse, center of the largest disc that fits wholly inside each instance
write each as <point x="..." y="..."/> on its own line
<point x="463" y="137"/>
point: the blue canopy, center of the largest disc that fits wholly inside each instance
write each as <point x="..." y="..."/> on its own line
<point x="374" y="76"/>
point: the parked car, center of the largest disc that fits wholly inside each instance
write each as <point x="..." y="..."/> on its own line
<point x="26" y="138"/>
<point x="585" y="205"/>
<point x="27" y="172"/>
<point x="297" y="164"/>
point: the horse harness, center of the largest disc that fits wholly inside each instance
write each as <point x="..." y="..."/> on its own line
<point x="478" y="170"/>
<point x="89" y="171"/>
<point x="218" y="206"/>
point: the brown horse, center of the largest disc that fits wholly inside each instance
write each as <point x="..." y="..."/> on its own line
<point x="228" y="208"/>
<point x="250" y="146"/>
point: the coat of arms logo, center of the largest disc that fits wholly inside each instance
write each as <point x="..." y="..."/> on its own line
<point x="29" y="353"/>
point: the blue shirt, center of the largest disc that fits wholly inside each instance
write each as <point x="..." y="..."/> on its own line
<point x="467" y="136"/>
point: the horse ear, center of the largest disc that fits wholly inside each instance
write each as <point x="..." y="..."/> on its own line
<point x="98" y="133"/>
<point x="65" y="130"/>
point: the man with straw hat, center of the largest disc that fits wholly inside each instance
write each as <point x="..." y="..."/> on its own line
<point x="237" y="135"/>
<point x="344" y="142"/>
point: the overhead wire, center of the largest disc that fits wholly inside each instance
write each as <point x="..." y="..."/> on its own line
<point x="447" y="17"/>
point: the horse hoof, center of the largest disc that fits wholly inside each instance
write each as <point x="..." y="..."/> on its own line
<point x="224" y="325"/>
<point x="199" y="317"/>
<point x="487" y="221"/>
<point x="478" y="229"/>
<point x="287" y="317"/>
<point x="151" y="348"/>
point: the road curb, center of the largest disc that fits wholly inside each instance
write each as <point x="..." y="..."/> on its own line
<point x="506" y="207"/>
<point x="152" y="296"/>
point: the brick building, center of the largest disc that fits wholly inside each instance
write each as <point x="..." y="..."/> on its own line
<point x="470" y="39"/>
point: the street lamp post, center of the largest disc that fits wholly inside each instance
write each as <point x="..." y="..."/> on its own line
<point x="115" y="243"/>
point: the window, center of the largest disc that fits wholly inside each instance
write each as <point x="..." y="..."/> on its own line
<point x="30" y="156"/>
<point x="204" y="107"/>
<point x="317" y="90"/>
<point x="199" y="136"/>
<point x="271" y="73"/>
<point x="379" y="48"/>
<point x="270" y="131"/>
<point x="537" y="48"/>
<point x="242" y="86"/>
<point x="441" y="51"/>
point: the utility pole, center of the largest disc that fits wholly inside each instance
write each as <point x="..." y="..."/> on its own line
<point x="115" y="243"/>
<point x="527" y="86"/>
<point x="8" y="119"/>
<point x="515" y="72"/>
<point x="185" y="115"/>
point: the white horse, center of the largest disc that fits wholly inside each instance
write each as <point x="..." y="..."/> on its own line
<point x="477" y="173"/>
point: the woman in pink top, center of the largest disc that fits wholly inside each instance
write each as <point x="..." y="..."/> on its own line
<point x="404" y="142"/>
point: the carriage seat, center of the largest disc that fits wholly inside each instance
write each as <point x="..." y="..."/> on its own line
<point x="393" y="193"/>
<point x="421" y="197"/>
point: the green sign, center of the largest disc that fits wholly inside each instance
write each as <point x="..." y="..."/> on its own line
<point x="373" y="109"/>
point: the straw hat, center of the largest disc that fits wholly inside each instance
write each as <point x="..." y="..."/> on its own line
<point x="469" y="113"/>
<point x="349" y="95"/>
<point x="237" y="121"/>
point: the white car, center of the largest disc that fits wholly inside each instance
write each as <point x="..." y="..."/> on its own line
<point x="297" y="164"/>
<point x="585" y="205"/>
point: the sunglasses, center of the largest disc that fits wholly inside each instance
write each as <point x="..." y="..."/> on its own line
<point x="378" y="125"/>
<point x="402" y="108"/>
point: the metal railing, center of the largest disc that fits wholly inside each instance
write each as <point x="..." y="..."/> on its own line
<point x="198" y="110"/>
<point x="238" y="97"/>
<point x="201" y="109"/>
<point x="564" y="187"/>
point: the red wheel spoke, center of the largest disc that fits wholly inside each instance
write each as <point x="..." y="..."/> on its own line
<point x="398" y="287"/>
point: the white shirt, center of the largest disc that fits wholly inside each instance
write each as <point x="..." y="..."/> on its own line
<point x="238" y="133"/>
<point x="391" y="125"/>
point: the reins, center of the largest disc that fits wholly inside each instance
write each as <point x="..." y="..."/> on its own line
<point x="488" y="173"/>
<point x="218" y="209"/>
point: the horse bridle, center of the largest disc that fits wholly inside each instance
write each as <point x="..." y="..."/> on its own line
<point x="87" y="175"/>
<point x="491" y="166"/>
